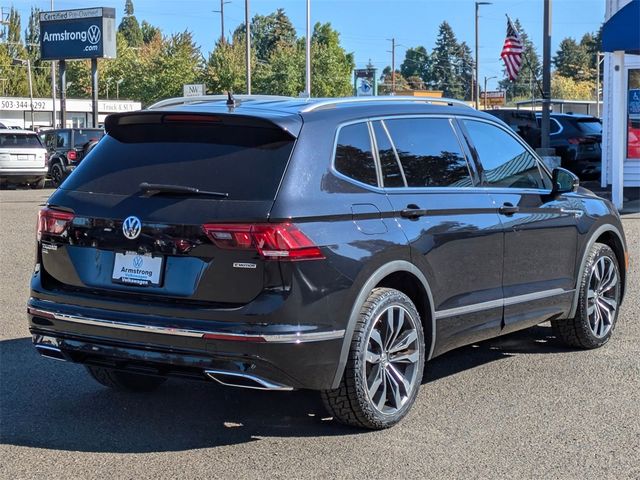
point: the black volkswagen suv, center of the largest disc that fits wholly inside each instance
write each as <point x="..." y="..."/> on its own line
<point x="326" y="244"/>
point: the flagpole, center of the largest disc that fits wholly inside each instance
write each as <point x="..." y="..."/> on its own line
<point x="524" y="56"/>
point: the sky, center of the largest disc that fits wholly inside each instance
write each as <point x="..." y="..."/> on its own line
<point x="366" y="26"/>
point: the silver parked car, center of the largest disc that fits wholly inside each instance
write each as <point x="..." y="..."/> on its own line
<point x="23" y="158"/>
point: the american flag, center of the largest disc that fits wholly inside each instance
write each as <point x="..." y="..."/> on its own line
<point x="512" y="52"/>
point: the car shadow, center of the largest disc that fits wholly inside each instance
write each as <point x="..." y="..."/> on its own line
<point x="47" y="404"/>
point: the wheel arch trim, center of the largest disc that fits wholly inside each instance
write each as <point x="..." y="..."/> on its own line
<point x="374" y="279"/>
<point x="597" y="233"/>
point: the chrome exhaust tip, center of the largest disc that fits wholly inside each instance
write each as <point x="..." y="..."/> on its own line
<point x="49" y="351"/>
<point x="244" y="380"/>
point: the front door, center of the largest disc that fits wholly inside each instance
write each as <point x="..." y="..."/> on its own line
<point x="540" y="230"/>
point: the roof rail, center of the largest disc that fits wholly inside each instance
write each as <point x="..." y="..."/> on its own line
<point x="391" y="98"/>
<point x="208" y="98"/>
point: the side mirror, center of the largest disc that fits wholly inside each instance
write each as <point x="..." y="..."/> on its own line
<point x="564" y="181"/>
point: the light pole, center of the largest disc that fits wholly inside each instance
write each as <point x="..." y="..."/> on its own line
<point x="107" y="81"/>
<point x="53" y="86"/>
<point x="27" y="62"/>
<point x="307" y="86"/>
<point x="247" y="44"/>
<point x="485" y="90"/>
<point x="476" y="89"/>
<point x="118" y="82"/>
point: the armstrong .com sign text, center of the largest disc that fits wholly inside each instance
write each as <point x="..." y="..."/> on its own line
<point x="78" y="34"/>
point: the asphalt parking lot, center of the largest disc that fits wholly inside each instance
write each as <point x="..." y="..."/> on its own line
<point x="516" y="407"/>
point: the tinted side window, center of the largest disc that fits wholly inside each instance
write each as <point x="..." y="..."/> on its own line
<point x="429" y="152"/>
<point x="506" y="162"/>
<point x="62" y="140"/>
<point x="353" y="154"/>
<point x="554" y="126"/>
<point x="391" y="174"/>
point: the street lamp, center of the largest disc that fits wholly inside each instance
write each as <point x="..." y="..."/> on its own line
<point x="476" y="77"/>
<point x="485" y="90"/>
<point x="107" y="81"/>
<point x="27" y="62"/>
<point x="118" y="82"/>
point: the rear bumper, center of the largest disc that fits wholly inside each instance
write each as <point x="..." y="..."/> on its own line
<point x="286" y="356"/>
<point x="23" y="172"/>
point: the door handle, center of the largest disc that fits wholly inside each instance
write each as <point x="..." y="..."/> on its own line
<point x="413" y="212"/>
<point x="508" y="209"/>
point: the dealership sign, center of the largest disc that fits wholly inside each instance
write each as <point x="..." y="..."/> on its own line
<point x="78" y="34"/>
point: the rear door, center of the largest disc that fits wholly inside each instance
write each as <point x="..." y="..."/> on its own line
<point x="124" y="240"/>
<point x="452" y="226"/>
<point x="21" y="150"/>
<point x="540" y="230"/>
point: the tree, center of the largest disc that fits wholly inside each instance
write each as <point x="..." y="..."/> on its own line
<point x="331" y="65"/>
<point x="385" y="85"/>
<point x="526" y="84"/>
<point x="465" y="64"/>
<point x="268" y="32"/>
<point x="572" y="60"/>
<point x="129" y="26"/>
<point x="416" y="63"/>
<point x="570" y="88"/>
<point x="445" y="59"/>
<point x="225" y="69"/>
<point x="149" y="32"/>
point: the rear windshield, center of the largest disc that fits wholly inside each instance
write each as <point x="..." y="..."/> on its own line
<point x="590" y="126"/>
<point x="19" y="140"/>
<point x="244" y="161"/>
<point x="82" y="137"/>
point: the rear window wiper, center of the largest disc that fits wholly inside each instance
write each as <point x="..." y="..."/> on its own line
<point x="161" y="188"/>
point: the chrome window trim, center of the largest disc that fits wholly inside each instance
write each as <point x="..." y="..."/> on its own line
<point x="297" y="337"/>
<point x="501" y="302"/>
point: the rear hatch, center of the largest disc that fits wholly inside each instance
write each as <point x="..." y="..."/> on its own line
<point x="590" y="139"/>
<point x="21" y="151"/>
<point x="123" y="224"/>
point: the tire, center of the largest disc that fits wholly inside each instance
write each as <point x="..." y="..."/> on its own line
<point x="374" y="367"/>
<point x="598" y="304"/>
<point x="57" y="174"/>
<point x="39" y="184"/>
<point x="125" y="381"/>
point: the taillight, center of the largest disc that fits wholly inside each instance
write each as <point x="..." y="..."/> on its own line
<point x="53" y="222"/>
<point x="72" y="155"/>
<point x="282" y="241"/>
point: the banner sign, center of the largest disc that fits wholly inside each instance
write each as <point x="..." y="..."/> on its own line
<point x="78" y="34"/>
<point x="493" y="98"/>
<point x="193" y="90"/>
<point x="365" y="82"/>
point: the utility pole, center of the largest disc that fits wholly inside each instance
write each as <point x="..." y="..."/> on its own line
<point x="53" y="86"/>
<point x="27" y="63"/>
<point x="307" y="83"/>
<point x="221" y="12"/>
<point x="247" y="44"/>
<point x="546" y="75"/>
<point x="393" y="64"/>
<point x="476" y="77"/>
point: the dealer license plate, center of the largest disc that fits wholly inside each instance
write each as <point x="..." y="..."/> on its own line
<point x="135" y="269"/>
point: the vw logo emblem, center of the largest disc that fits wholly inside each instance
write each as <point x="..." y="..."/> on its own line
<point x="131" y="227"/>
<point x="93" y="34"/>
<point x="137" y="261"/>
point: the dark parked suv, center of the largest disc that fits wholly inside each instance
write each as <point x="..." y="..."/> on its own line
<point x="67" y="147"/>
<point x="334" y="245"/>
<point x="577" y="140"/>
